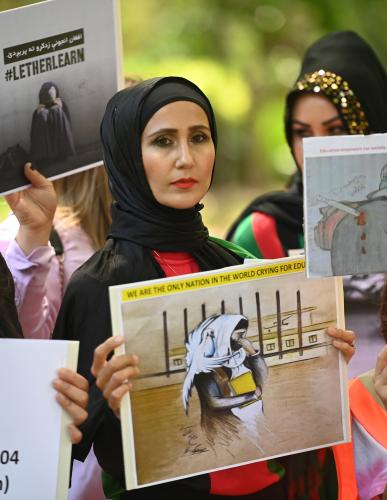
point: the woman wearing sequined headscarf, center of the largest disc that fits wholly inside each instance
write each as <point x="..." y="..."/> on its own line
<point x="341" y="89"/>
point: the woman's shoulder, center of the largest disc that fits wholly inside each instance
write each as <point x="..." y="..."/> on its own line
<point x="112" y="265"/>
<point x="255" y="231"/>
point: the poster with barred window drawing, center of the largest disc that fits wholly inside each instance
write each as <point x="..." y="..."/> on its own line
<point x="235" y="367"/>
<point x="56" y="76"/>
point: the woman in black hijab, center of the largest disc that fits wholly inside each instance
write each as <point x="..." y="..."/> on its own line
<point x="341" y="71"/>
<point x="51" y="135"/>
<point x="159" y="140"/>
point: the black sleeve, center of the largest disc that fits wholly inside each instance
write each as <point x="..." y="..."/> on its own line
<point x="85" y="316"/>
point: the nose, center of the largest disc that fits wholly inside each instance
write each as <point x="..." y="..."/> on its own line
<point x="184" y="157"/>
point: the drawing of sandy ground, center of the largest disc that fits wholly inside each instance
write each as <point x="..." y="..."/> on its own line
<point x="301" y="411"/>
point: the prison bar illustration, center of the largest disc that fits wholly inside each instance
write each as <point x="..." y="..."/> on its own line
<point x="282" y="337"/>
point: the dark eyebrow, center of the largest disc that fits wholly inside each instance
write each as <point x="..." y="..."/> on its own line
<point x="174" y="130"/>
<point x="298" y="122"/>
<point x="337" y="117"/>
<point x="327" y="122"/>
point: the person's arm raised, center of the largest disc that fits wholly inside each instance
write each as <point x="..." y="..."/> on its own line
<point x="34" y="208"/>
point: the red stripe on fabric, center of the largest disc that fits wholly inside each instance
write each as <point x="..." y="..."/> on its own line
<point x="242" y="480"/>
<point x="266" y="236"/>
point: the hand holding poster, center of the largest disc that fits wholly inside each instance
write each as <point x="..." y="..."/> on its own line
<point x="57" y="73"/>
<point x="235" y="367"/>
<point x="345" y="204"/>
<point x="35" y="447"/>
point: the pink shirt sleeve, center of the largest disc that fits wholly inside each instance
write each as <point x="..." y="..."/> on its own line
<point x="37" y="308"/>
<point x="40" y="281"/>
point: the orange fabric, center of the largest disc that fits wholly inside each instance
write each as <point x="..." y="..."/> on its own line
<point x="345" y="468"/>
<point x="368" y="412"/>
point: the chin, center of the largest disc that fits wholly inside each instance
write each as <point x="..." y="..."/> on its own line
<point x="183" y="201"/>
<point x="181" y="205"/>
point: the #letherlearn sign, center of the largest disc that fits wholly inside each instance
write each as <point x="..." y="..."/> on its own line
<point x="57" y="72"/>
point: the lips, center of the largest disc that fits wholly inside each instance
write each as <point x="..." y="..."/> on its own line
<point x="184" y="183"/>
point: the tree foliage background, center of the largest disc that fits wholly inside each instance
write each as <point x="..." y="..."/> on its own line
<point x="245" y="54"/>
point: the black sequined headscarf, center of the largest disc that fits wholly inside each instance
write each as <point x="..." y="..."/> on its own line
<point x="342" y="67"/>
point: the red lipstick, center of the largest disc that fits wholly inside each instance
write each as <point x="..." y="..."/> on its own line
<point x="185" y="183"/>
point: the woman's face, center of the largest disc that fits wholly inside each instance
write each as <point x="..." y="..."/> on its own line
<point x="313" y="116"/>
<point x="52" y="93"/>
<point x="178" y="154"/>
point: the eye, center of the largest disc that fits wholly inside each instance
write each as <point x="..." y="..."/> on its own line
<point x="162" y="141"/>
<point x="338" y="130"/>
<point x="301" y="132"/>
<point x="200" y="137"/>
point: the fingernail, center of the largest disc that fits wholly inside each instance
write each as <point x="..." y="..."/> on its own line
<point x="118" y="339"/>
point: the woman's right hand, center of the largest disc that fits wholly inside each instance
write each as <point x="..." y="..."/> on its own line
<point x="114" y="376"/>
<point x="34" y="208"/>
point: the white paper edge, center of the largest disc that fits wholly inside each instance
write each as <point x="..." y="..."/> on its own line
<point x="65" y="447"/>
<point x="128" y="443"/>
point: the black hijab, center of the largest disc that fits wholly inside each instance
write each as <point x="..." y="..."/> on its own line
<point x="285" y="206"/>
<point x="137" y="216"/>
<point x="9" y="321"/>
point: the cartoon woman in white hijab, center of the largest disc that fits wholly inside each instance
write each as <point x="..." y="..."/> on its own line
<point x="228" y="373"/>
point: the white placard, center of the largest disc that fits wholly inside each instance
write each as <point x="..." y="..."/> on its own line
<point x="35" y="448"/>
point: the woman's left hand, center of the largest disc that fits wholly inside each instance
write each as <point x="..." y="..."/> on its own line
<point x="73" y="396"/>
<point x="343" y="340"/>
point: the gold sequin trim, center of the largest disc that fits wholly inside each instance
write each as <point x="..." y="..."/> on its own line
<point x="338" y="92"/>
